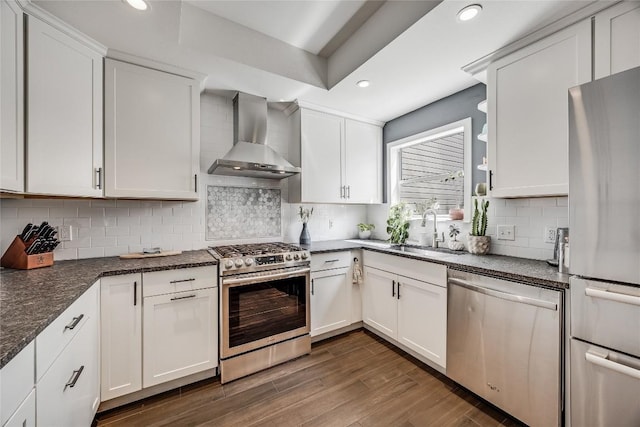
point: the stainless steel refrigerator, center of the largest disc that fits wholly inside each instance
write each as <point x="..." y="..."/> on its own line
<point x="604" y="218"/>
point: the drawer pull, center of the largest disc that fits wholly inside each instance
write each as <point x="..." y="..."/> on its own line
<point x="74" y="378"/>
<point x="182" y="280"/>
<point x="185" y="297"/>
<point x="331" y="260"/>
<point x="612" y="296"/>
<point x="606" y="363"/>
<point x="74" y="322"/>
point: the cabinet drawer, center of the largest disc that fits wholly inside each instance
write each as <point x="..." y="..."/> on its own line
<point x="181" y="280"/>
<point x="25" y="416"/>
<point x="326" y="261"/>
<point x="413" y="268"/>
<point x="67" y="394"/>
<point x="59" y="333"/>
<point x="16" y="381"/>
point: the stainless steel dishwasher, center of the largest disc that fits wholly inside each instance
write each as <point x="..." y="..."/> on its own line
<point x="504" y="344"/>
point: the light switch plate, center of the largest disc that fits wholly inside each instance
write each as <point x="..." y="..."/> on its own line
<point x="506" y="232"/>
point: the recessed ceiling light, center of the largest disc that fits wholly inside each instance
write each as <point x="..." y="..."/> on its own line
<point x="363" y="83"/>
<point x="469" y="12"/>
<point x="138" y="4"/>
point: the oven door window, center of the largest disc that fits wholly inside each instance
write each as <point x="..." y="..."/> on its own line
<point x="261" y="310"/>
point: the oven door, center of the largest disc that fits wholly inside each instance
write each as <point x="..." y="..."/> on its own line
<point x="261" y="309"/>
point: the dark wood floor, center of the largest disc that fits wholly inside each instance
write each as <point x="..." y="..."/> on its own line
<point x="356" y="379"/>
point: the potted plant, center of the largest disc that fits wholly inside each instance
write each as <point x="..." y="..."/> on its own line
<point x="454" y="244"/>
<point x="305" y="216"/>
<point x="364" y="230"/>
<point x="478" y="241"/>
<point x="398" y="223"/>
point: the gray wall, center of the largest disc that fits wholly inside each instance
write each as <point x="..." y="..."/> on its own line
<point x="439" y="113"/>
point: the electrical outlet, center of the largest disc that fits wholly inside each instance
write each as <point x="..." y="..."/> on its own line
<point x="65" y="233"/>
<point x="506" y="232"/>
<point x="549" y="235"/>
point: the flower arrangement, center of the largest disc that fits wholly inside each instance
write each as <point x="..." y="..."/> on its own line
<point x="305" y="214"/>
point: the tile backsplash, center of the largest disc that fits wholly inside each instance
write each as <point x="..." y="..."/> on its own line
<point x="239" y="213"/>
<point x="530" y="216"/>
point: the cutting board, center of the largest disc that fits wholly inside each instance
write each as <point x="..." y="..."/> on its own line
<point x="143" y="255"/>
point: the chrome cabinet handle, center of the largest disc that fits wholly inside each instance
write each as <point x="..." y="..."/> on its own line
<point x="504" y="295"/>
<point x="182" y="280"/>
<point x="184" y="297"/>
<point x="612" y="296"/>
<point x="393" y="288"/>
<point x="342" y="192"/>
<point x="74" y="322"/>
<point x="74" y="378"/>
<point x="610" y="364"/>
<point x="490" y="180"/>
<point x="99" y="178"/>
<point x="348" y="191"/>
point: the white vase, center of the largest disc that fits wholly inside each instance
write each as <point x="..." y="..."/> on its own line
<point x="423" y="238"/>
<point x="456" y="245"/>
<point x="364" y="235"/>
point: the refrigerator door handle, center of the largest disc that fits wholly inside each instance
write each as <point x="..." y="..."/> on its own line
<point x="612" y="296"/>
<point x="606" y="363"/>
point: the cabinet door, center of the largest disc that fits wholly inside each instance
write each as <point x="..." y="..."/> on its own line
<point x="617" y="39"/>
<point x="321" y="139"/>
<point x="363" y="162"/>
<point x="25" y="415"/>
<point x="66" y="395"/>
<point x="64" y="114"/>
<point x="528" y="113"/>
<point x="11" y="97"/>
<point x="180" y="335"/>
<point x="422" y="318"/>
<point x="152" y="135"/>
<point x="121" y="335"/>
<point x="379" y="303"/>
<point x="330" y="300"/>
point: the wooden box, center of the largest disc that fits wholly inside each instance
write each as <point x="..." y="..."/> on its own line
<point x="16" y="257"/>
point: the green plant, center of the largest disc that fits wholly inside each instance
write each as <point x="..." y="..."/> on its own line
<point x="453" y="232"/>
<point x="398" y="223"/>
<point x="305" y="214"/>
<point x="366" y="227"/>
<point x="479" y="220"/>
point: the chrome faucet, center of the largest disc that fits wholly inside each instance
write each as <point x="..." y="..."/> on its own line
<point x="434" y="235"/>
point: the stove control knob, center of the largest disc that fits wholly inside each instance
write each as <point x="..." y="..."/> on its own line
<point x="248" y="261"/>
<point x="239" y="262"/>
<point x="228" y="264"/>
<point x="305" y="255"/>
<point x="296" y="256"/>
<point x="288" y="257"/>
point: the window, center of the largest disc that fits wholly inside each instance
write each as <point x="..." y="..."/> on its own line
<point x="433" y="165"/>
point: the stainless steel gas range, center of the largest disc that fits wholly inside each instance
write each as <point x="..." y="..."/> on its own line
<point x="264" y="306"/>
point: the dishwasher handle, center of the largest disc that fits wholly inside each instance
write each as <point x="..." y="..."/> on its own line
<point x="504" y="295"/>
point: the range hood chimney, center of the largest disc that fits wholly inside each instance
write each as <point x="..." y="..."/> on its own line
<point x="250" y="155"/>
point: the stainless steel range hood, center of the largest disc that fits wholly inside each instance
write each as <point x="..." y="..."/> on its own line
<point x="250" y="155"/>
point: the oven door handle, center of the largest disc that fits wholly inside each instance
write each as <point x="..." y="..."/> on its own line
<point x="266" y="277"/>
<point x="607" y="363"/>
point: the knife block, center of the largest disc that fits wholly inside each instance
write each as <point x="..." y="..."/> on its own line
<point x="16" y="257"/>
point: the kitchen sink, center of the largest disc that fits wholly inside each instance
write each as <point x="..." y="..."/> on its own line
<point x="424" y="250"/>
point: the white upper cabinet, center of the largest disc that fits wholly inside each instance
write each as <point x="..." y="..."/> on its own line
<point x="617" y="39"/>
<point x="152" y="133"/>
<point x="363" y="162"/>
<point x="528" y="114"/>
<point x="64" y="114"/>
<point x="341" y="160"/>
<point x="11" y="98"/>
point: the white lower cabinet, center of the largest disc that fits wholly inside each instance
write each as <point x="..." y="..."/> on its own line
<point x="404" y="309"/>
<point x="121" y="335"/>
<point x="67" y="393"/>
<point x="16" y="382"/>
<point x="330" y="300"/>
<point x="180" y="335"/>
<point x="25" y="415"/>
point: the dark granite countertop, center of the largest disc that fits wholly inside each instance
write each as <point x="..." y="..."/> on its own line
<point x="31" y="299"/>
<point x="529" y="271"/>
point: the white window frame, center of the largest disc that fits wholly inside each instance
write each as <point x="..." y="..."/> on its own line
<point x="393" y="159"/>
